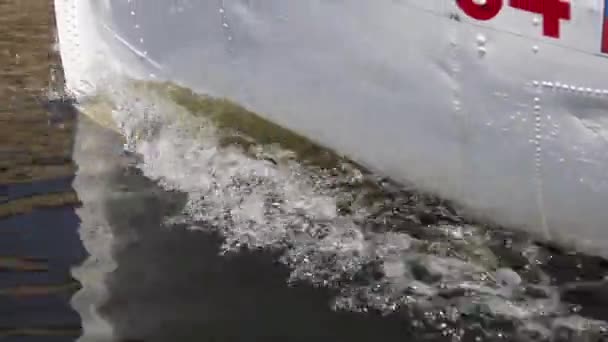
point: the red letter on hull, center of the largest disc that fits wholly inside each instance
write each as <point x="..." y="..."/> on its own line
<point x="486" y="11"/>
<point x="551" y="10"/>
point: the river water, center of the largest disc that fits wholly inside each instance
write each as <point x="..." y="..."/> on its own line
<point x="106" y="241"/>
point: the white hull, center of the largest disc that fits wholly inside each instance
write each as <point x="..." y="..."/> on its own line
<point x="491" y="114"/>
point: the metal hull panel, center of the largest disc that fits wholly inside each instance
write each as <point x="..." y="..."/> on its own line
<point x="491" y="114"/>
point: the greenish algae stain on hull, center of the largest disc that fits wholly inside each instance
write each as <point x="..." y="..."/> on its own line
<point x="241" y="128"/>
<point x="238" y="127"/>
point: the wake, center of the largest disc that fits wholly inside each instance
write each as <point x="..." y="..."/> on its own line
<point x="382" y="248"/>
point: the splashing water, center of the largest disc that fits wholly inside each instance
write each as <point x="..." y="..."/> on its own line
<point x="383" y="249"/>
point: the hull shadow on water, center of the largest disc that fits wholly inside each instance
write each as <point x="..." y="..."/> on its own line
<point x="164" y="282"/>
<point x="172" y="284"/>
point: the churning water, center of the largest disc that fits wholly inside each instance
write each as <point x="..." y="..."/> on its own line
<point x="379" y="248"/>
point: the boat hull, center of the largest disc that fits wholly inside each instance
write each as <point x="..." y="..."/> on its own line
<point x="504" y="116"/>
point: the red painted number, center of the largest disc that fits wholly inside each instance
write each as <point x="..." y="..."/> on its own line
<point x="480" y="10"/>
<point x="551" y="10"/>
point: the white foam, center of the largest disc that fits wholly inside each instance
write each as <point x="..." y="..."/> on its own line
<point x="255" y="203"/>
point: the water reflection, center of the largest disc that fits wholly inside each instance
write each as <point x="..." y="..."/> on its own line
<point x="38" y="224"/>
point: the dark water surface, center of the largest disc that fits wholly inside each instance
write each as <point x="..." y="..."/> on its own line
<point x="171" y="284"/>
<point x="174" y="285"/>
